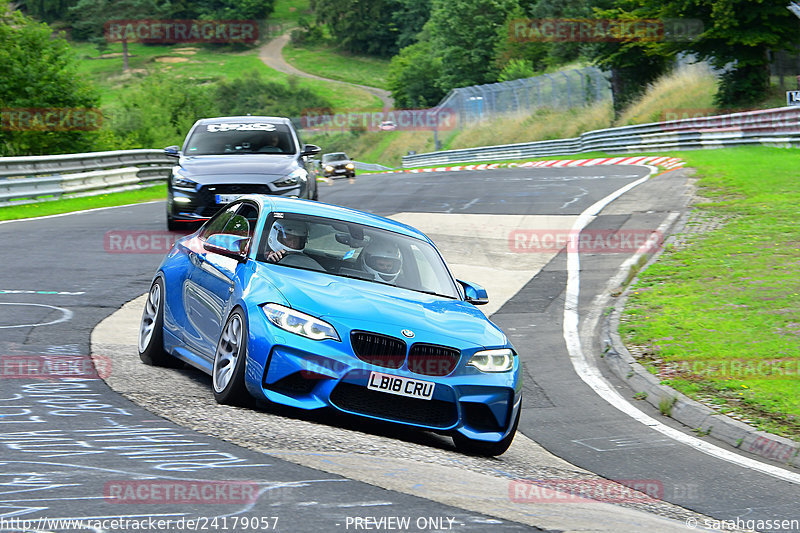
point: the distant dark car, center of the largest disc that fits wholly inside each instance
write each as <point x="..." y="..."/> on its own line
<point x="224" y="158"/>
<point x="337" y="164"/>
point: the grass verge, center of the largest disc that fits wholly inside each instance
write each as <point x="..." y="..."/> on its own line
<point x="68" y="205"/>
<point x="718" y="315"/>
<point x="329" y="62"/>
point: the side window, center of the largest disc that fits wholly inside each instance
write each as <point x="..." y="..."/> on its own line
<point x="243" y="222"/>
<point x="218" y="222"/>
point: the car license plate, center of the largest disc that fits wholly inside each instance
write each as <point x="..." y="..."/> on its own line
<point x="340" y="170"/>
<point x="227" y="198"/>
<point x="412" y="388"/>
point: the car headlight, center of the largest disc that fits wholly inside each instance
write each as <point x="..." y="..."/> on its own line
<point x="181" y="182"/>
<point x="328" y="168"/>
<point x="292" y="179"/>
<point x="299" y="323"/>
<point x="501" y="360"/>
<point x="350" y="166"/>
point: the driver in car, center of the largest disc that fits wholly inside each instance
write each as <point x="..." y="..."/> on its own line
<point x="383" y="260"/>
<point x="285" y="237"/>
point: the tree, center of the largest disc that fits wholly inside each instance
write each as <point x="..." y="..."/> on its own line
<point x="361" y="26"/>
<point x="39" y="71"/>
<point x="90" y="16"/>
<point x="463" y="34"/>
<point x="511" y="48"/>
<point x="47" y="10"/>
<point x="737" y="36"/>
<point x="409" y="18"/>
<point x="412" y="77"/>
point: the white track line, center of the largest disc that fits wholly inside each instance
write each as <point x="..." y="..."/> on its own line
<point x="590" y="374"/>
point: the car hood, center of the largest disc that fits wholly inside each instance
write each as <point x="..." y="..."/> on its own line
<point x="357" y="303"/>
<point x="239" y="164"/>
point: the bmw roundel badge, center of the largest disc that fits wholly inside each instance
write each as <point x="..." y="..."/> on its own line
<point x="408" y="333"/>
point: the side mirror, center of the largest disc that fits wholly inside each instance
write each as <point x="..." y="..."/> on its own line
<point x="310" y="149"/>
<point x="227" y="245"/>
<point x="473" y="293"/>
<point x="173" y="151"/>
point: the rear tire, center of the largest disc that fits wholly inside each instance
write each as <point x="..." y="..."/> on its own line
<point x="151" y="329"/>
<point x="227" y="376"/>
<point x="487" y="449"/>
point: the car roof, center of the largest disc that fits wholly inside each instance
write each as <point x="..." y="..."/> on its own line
<point x="245" y="118"/>
<point x="336" y="212"/>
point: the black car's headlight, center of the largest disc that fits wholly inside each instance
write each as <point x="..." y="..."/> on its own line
<point x="328" y="168"/>
<point x="500" y="360"/>
<point x="181" y="182"/>
<point x="292" y="179"/>
<point x="350" y="166"/>
<point x="299" y="323"/>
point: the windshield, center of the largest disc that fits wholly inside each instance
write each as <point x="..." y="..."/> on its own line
<point x="334" y="157"/>
<point x="240" y="138"/>
<point x="353" y="250"/>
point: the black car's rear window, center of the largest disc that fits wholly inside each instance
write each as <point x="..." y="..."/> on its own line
<point x="240" y="138"/>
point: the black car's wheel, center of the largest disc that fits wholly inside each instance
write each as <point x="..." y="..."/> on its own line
<point x="151" y="329"/>
<point x="227" y="375"/>
<point x="486" y="449"/>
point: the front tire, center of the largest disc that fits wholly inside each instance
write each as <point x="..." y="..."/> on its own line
<point x="151" y="329"/>
<point x="227" y="376"/>
<point x="487" y="449"/>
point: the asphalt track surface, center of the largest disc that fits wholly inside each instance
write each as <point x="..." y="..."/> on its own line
<point x="63" y="444"/>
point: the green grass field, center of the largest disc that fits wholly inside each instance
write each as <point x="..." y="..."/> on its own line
<point x="202" y="65"/>
<point x="68" y="205"/>
<point x="329" y="62"/>
<point x="732" y="295"/>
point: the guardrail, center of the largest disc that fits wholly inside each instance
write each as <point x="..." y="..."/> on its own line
<point x="772" y="127"/>
<point x="46" y="177"/>
<point x="33" y="179"/>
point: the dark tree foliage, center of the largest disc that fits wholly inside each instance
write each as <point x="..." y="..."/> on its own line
<point x="410" y="17"/>
<point x="412" y="77"/>
<point x="463" y="34"/>
<point x="737" y="37"/>
<point x="39" y="71"/>
<point x="46" y="10"/>
<point x="361" y="26"/>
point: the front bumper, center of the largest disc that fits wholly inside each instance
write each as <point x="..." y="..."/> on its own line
<point x="339" y="172"/>
<point x="310" y="374"/>
<point x="202" y="203"/>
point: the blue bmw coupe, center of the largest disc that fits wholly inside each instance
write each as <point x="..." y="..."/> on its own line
<point x="318" y="306"/>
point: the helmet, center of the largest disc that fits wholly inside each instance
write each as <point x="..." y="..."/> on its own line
<point x="288" y="235"/>
<point x="383" y="260"/>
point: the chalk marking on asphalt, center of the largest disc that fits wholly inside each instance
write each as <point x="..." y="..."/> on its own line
<point x="590" y="374"/>
<point x="65" y="316"/>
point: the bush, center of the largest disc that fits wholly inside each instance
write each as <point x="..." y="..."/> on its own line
<point x="254" y="95"/>
<point x="159" y="111"/>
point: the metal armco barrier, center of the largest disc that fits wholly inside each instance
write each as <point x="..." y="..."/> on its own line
<point x="47" y="177"/>
<point x="28" y="179"/>
<point x="769" y="127"/>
